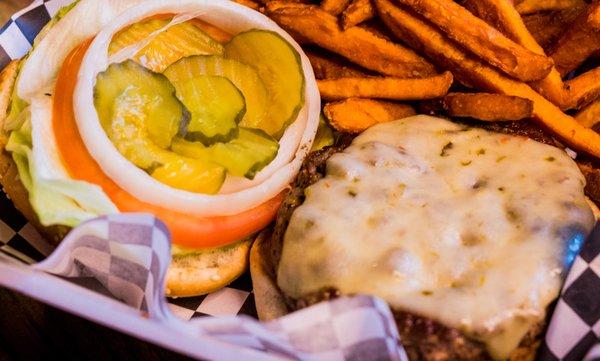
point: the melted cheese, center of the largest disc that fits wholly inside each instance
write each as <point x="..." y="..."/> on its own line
<point x="465" y="226"/>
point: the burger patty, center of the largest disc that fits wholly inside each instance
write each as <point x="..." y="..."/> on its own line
<point x="425" y="339"/>
<point x="422" y="337"/>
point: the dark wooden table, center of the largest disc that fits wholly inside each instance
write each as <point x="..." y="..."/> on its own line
<point x="30" y="330"/>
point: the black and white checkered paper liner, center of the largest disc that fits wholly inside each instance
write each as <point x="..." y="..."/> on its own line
<point x="575" y="325"/>
<point x="131" y="268"/>
<point x="129" y="255"/>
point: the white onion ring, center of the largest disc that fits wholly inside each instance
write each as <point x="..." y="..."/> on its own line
<point x="37" y="78"/>
<point x="232" y="18"/>
<point x="39" y="71"/>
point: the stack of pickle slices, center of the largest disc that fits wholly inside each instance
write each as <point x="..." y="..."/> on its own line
<point x="190" y="109"/>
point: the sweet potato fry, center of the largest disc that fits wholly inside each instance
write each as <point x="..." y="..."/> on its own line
<point x="355" y="44"/>
<point x="536" y="6"/>
<point x="594" y="19"/>
<point x="377" y="28"/>
<point x="357" y="12"/>
<point x="470" y="70"/>
<point x="547" y="27"/>
<point x="272" y="5"/>
<point x="552" y="88"/>
<point x="299" y="1"/>
<point x="482" y="39"/>
<point x="590" y="115"/>
<point x="334" y="7"/>
<point x="248" y="3"/>
<point x="331" y="66"/>
<point x="483" y="106"/>
<point x="488" y="107"/>
<point x="502" y="15"/>
<point x="386" y="88"/>
<point x="579" y="42"/>
<point x="584" y="88"/>
<point x="356" y="115"/>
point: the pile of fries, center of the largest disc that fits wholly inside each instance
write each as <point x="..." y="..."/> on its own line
<point x="492" y="60"/>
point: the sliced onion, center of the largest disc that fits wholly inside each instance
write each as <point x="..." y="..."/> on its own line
<point x="37" y="77"/>
<point x="39" y="71"/>
<point x="232" y="18"/>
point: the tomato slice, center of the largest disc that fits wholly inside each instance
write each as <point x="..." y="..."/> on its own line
<point x="186" y="230"/>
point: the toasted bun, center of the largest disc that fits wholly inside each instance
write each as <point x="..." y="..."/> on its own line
<point x="189" y="275"/>
<point x="208" y="270"/>
<point x="269" y="301"/>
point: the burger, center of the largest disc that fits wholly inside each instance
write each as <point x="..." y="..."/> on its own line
<point x="199" y="112"/>
<point x="465" y="232"/>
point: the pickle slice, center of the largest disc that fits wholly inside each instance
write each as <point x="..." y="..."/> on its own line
<point x="195" y="150"/>
<point x="244" y="156"/>
<point x="178" y="41"/>
<point x="243" y="76"/>
<point x="128" y="131"/>
<point x="140" y="114"/>
<point x="193" y="175"/>
<point x="146" y="98"/>
<point x="279" y="66"/>
<point x="216" y="107"/>
<point x="324" y="137"/>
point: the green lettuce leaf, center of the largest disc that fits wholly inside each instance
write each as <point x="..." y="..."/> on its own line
<point x="64" y="202"/>
<point x="56" y="202"/>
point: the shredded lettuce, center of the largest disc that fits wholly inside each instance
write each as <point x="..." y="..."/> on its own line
<point x="64" y="202"/>
<point x="17" y="107"/>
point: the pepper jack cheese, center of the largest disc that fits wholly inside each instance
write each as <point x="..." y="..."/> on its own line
<point x="465" y="226"/>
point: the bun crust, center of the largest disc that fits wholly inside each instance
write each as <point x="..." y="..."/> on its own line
<point x="189" y="275"/>
<point x="270" y="302"/>
<point x="208" y="270"/>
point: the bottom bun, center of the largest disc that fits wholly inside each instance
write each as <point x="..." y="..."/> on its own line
<point x="207" y="270"/>
<point x="189" y="275"/>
